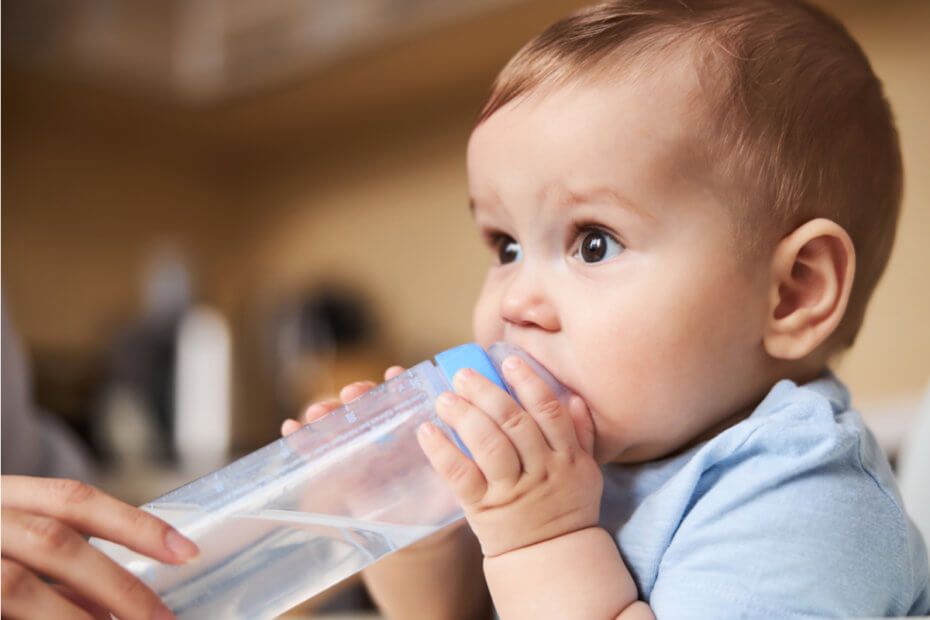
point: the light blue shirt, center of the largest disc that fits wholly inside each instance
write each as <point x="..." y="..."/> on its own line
<point x="793" y="512"/>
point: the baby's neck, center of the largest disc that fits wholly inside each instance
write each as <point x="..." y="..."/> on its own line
<point x="799" y="375"/>
<point x="715" y="430"/>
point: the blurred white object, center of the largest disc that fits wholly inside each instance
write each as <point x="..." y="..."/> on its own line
<point x="127" y="427"/>
<point x="166" y="284"/>
<point x="202" y="415"/>
<point x="914" y="468"/>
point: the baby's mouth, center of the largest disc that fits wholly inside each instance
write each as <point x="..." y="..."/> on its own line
<point x="562" y="390"/>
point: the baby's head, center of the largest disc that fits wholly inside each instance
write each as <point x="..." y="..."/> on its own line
<point x="677" y="194"/>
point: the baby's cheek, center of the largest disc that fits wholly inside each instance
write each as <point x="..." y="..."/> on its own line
<point x="487" y="326"/>
<point x="643" y="385"/>
<point x="621" y="390"/>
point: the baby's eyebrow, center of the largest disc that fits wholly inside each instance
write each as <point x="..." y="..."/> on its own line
<point x="598" y="194"/>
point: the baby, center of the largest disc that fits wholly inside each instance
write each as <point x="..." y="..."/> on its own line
<point x="689" y="203"/>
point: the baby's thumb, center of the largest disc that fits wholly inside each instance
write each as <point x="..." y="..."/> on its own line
<point x="583" y="423"/>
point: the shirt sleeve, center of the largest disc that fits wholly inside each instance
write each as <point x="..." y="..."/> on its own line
<point x="789" y="525"/>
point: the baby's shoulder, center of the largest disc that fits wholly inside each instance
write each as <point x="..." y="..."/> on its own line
<point x="797" y="494"/>
<point x="805" y="480"/>
<point x="808" y="430"/>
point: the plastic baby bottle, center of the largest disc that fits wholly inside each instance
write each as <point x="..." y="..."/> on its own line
<point x="293" y="518"/>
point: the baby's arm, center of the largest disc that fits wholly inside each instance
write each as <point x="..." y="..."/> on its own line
<point x="438" y="577"/>
<point x="532" y="495"/>
<point x="580" y="574"/>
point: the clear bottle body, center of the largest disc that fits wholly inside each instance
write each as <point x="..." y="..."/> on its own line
<point x="303" y="513"/>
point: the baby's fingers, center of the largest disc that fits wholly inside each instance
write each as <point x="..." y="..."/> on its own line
<point x="457" y="470"/>
<point x="539" y="401"/>
<point x="349" y="393"/>
<point x="289" y="426"/>
<point x="583" y="423"/>
<point x="311" y="414"/>
<point x="354" y="390"/>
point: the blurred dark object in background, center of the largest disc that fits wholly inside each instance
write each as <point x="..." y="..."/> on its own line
<point x="35" y="443"/>
<point x="311" y="334"/>
<point x="135" y="420"/>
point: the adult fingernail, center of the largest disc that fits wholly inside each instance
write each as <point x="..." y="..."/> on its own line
<point x="182" y="548"/>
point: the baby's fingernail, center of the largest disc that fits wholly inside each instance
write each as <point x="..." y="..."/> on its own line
<point x="447" y="398"/>
<point x="465" y="374"/>
<point x="513" y="362"/>
<point x="182" y="548"/>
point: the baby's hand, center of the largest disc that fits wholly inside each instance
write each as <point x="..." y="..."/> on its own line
<point x="534" y="476"/>
<point x="348" y="393"/>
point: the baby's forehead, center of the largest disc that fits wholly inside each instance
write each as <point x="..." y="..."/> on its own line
<point x="611" y="130"/>
<point x="658" y="96"/>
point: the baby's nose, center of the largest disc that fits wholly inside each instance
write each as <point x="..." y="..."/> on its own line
<point x="527" y="305"/>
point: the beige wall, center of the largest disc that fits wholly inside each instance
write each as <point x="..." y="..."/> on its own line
<point x="357" y="173"/>
<point x="893" y="350"/>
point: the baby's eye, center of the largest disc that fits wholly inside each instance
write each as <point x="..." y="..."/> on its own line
<point x="597" y="245"/>
<point x="508" y="250"/>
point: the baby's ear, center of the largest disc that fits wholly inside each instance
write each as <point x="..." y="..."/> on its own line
<point x="812" y="276"/>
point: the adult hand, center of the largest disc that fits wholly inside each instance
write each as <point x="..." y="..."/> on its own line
<point x="44" y="524"/>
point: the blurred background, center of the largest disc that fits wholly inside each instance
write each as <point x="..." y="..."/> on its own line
<point x="234" y="207"/>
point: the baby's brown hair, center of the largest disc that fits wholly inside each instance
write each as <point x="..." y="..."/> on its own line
<point x="797" y="123"/>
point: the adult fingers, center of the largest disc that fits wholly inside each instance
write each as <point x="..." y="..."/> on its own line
<point x="24" y="595"/>
<point x="95" y="610"/>
<point x="50" y="548"/>
<point x="458" y="471"/>
<point x="517" y="424"/>
<point x="92" y="512"/>
<point x="490" y="447"/>
<point x="538" y="399"/>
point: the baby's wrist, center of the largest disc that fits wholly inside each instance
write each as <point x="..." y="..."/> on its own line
<point x="541" y="545"/>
